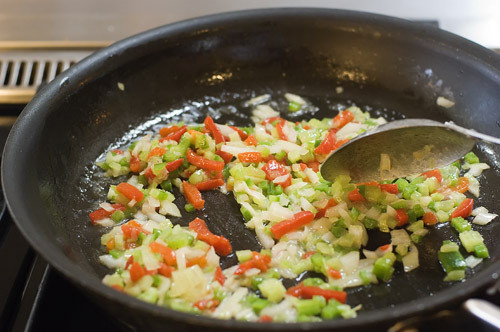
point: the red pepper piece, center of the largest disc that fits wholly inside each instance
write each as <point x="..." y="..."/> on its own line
<point x="209" y="184"/>
<point x="242" y="134"/>
<point x="193" y="195"/>
<point x="101" y="213"/>
<point x="227" y="157"/>
<point x="250" y="157"/>
<point x="176" y="136"/>
<point x="257" y="261"/>
<point x="156" y="152"/>
<point x="464" y="209"/>
<point x="342" y="119"/>
<point x="429" y="218"/>
<point x="274" y="169"/>
<point x="328" y="144"/>
<point x="321" y="212"/>
<point x="435" y="173"/>
<point x="220" y="243"/>
<point x="355" y="196"/>
<point x="219" y="276"/>
<point x="129" y="191"/>
<point x="213" y="129"/>
<point x="166" y="253"/>
<point x="299" y="220"/>
<point x="173" y="165"/>
<point x="402" y="217"/>
<point x="204" y="163"/>
<point x="136" y="272"/>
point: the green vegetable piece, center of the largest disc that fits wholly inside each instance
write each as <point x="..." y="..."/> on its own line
<point x="324" y="187"/>
<point x="243" y="255"/>
<point x="150" y="295"/>
<point x="408" y="190"/>
<point x="259" y="304"/>
<point x="366" y="277"/>
<point x="118" y="216"/>
<point x="419" y="211"/>
<point x="179" y="240"/>
<point x="455" y="275"/>
<point x="382" y="268"/>
<point x="294" y="106"/>
<point x="331" y="310"/>
<point x="318" y="262"/>
<point x="246" y="214"/>
<point x="460" y="224"/>
<point x="481" y="251"/>
<point x="189" y="207"/>
<point x="399" y="204"/>
<point x="470" y="239"/>
<point x="272" y="289"/>
<point x="310" y="307"/>
<point x="451" y="261"/>
<point x="354" y="214"/>
<point x="313" y="282"/>
<point x="471" y="158"/>
<point x="402" y="183"/>
<point x="166" y="185"/>
<point x="370" y="223"/>
<point x="142" y="180"/>
<point x="115" y="253"/>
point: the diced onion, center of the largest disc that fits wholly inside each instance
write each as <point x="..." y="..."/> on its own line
<point x="472" y="261"/>
<point x="484" y="218"/>
<point x="410" y="260"/>
<point x="443" y="102"/>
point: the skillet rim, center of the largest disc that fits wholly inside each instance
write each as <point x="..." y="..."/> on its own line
<point x="54" y="92"/>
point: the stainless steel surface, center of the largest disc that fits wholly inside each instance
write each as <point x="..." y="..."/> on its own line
<point x="484" y="310"/>
<point x="413" y="146"/>
<point x="23" y="69"/>
<point x="111" y="20"/>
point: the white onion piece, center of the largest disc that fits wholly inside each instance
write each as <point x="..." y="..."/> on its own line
<point x="230" y="306"/>
<point x="225" y="130"/>
<point x="295" y="98"/>
<point x="262" y="112"/>
<point x="290" y="133"/>
<point x="107" y="207"/>
<point x="311" y="175"/>
<point x="350" y="262"/>
<point x="286" y="146"/>
<point x="484" y="218"/>
<point x="443" y="102"/>
<point x="350" y="130"/>
<point x="113" y="263"/>
<point x="235" y="150"/>
<point x="105" y="222"/>
<point x="479" y="210"/>
<point x="410" y="260"/>
<point x="258" y="100"/>
<point x="400" y="236"/>
<point x="472" y="261"/>
<point x="477" y="169"/>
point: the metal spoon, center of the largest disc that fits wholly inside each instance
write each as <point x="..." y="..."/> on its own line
<point x="412" y="146"/>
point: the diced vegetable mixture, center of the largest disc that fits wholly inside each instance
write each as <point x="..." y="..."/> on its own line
<point x="303" y="222"/>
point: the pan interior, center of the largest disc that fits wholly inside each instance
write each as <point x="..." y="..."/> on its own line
<point x="213" y="71"/>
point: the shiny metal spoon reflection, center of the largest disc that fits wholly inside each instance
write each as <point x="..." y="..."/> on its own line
<point x="411" y="146"/>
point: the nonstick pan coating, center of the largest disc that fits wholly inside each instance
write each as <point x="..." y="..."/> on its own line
<point x="392" y="67"/>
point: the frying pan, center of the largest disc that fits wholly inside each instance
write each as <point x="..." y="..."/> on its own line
<point x="210" y="65"/>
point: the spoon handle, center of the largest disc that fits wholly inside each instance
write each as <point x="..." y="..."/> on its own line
<point x="472" y="133"/>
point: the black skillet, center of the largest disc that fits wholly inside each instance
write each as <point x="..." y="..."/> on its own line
<point x="392" y="67"/>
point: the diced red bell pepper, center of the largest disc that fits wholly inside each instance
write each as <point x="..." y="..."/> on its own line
<point x="265" y="319"/>
<point x="279" y="128"/>
<point x="250" y="157"/>
<point x="166" y="253"/>
<point x="168" y="130"/>
<point x="220" y="243"/>
<point x="464" y="209"/>
<point x="213" y="129"/>
<point x="257" y="261"/>
<point x="165" y="270"/>
<point x="101" y="213"/>
<point x="314" y="165"/>
<point x="343" y="118"/>
<point x="462" y="185"/>
<point x="209" y="184"/>
<point x="157" y="152"/>
<point x="250" y="140"/>
<point x="429" y="218"/>
<point x="175" y="136"/>
<point x="227" y="157"/>
<point x="335" y="274"/>
<point x="242" y="134"/>
<point x="435" y="173"/>
<point x="117" y="151"/>
<point x="135" y="164"/>
<point x="193" y="195"/>
<point x="274" y="169"/>
<point x="390" y="188"/>
<point x="355" y="196"/>
<point x="307" y="292"/>
<point x="219" y="276"/>
<point x="204" y="163"/>
<point x="327" y="145"/>
<point x="207" y="304"/>
<point x="129" y="191"/>
<point x="136" y="272"/>
<point x="132" y="229"/>
<point x="299" y="220"/>
<point x="308" y="254"/>
<point x="402" y="217"/>
<point x="173" y="165"/>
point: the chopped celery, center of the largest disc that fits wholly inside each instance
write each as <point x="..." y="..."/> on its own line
<point x="259" y="304"/>
<point x="382" y="268"/>
<point x="402" y="183"/>
<point x="460" y="224"/>
<point x="370" y="223"/>
<point x="313" y="282"/>
<point x="331" y="310"/>
<point x="471" y="158"/>
<point x="470" y="239"/>
<point x="481" y="251"/>
<point x="189" y="207"/>
<point x="115" y="253"/>
<point x="272" y="289"/>
<point x="366" y="277"/>
<point x="243" y="255"/>
<point x="179" y="240"/>
<point x="118" y="216"/>
<point x="451" y="261"/>
<point x="246" y="214"/>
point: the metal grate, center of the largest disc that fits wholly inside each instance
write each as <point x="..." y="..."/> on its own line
<point x="22" y="71"/>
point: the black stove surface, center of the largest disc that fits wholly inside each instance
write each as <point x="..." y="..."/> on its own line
<point x="35" y="297"/>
